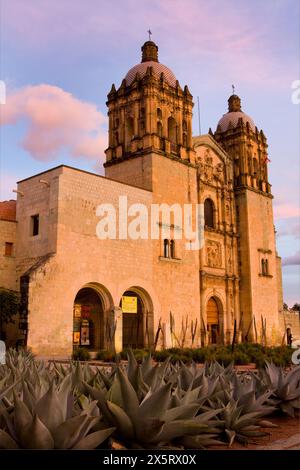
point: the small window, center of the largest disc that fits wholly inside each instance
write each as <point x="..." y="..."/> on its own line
<point x="159" y="113"/>
<point x="8" y="249"/>
<point x="266" y="267"/>
<point x="255" y="167"/>
<point x="209" y="213"/>
<point x="166" y="248"/>
<point x="172" y="248"/>
<point x="35" y="225"/>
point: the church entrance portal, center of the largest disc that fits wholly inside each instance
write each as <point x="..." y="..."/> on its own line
<point x="213" y="320"/>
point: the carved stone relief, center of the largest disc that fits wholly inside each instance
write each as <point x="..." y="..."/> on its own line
<point x="213" y="254"/>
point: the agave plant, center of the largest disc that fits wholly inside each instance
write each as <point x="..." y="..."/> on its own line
<point x="240" y="426"/>
<point x="52" y="422"/>
<point x="151" y="420"/>
<point x="284" y="388"/>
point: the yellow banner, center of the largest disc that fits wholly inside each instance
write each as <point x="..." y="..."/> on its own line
<point x="129" y="304"/>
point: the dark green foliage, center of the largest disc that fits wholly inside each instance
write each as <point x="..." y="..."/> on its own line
<point x="9" y="306"/>
<point x="244" y="353"/>
<point x="81" y="354"/>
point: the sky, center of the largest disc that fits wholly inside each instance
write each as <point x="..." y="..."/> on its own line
<point x="59" y="58"/>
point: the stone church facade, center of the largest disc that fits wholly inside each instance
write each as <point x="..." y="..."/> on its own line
<point x="79" y="290"/>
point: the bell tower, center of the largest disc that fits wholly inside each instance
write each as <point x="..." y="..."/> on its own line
<point x="259" y="264"/>
<point x="238" y="135"/>
<point x="149" y="113"/>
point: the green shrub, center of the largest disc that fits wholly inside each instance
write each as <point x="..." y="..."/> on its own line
<point x="260" y="360"/>
<point x="224" y="358"/>
<point x="106" y="356"/>
<point x="198" y="355"/>
<point x="161" y="356"/>
<point x="240" y="358"/>
<point x="81" y="354"/>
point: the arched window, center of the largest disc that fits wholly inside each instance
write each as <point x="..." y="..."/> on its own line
<point x="159" y="129"/>
<point x="159" y="113"/>
<point x="255" y="167"/>
<point x="184" y="126"/>
<point x="249" y="166"/>
<point x="184" y="139"/>
<point x="166" y="248"/>
<point x="209" y="213"/>
<point x="117" y="138"/>
<point x="142" y="126"/>
<point x="129" y="125"/>
<point x="172" y="130"/>
<point x="172" y="248"/>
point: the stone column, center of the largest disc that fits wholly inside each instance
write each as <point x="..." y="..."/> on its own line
<point x="237" y="314"/>
<point x="118" y="321"/>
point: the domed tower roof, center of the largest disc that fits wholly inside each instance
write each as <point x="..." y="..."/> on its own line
<point x="150" y="59"/>
<point x="234" y="114"/>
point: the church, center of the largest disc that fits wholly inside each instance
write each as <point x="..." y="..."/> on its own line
<point x="78" y="290"/>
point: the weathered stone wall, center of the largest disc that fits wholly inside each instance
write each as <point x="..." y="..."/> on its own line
<point x="8" y="277"/>
<point x="111" y="266"/>
<point x="259" y="293"/>
<point x="177" y="281"/>
<point x="290" y="319"/>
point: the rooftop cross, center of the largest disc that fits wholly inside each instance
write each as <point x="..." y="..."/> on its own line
<point x="149" y="32"/>
<point x="233" y="89"/>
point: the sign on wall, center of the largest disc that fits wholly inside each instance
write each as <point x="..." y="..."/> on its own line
<point x="129" y="304"/>
<point x="85" y="333"/>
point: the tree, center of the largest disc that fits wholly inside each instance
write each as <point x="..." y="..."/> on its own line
<point x="296" y="307"/>
<point x="9" y="306"/>
<point x="285" y="306"/>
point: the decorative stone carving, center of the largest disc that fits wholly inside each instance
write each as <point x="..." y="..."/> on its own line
<point x="208" y="171"/>
<point x="219" y="172"/>
<point x="213" y="254"/>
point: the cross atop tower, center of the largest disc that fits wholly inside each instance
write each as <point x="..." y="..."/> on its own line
<point x="233" y="89"/>
<point x="150" y="34"/>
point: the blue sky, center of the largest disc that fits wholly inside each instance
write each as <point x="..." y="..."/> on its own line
<point x="62" y="56"/>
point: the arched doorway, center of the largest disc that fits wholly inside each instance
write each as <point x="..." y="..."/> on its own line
<point x="137" y="313"/>
<point x="213" y="321"/>
<point x="89" y="310"/>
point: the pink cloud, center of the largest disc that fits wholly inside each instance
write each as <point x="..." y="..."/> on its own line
<point x="56" y="121"/>
<point x="286" y="210"/>
<point x="293" y="260"/>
